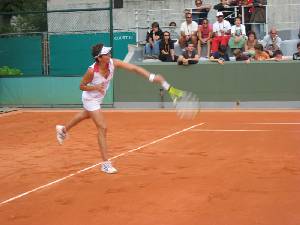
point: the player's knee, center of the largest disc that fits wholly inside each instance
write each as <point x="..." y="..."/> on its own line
<point x="102" y="128"/>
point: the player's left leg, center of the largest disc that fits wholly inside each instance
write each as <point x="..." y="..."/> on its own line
<point x="98" y="118"/>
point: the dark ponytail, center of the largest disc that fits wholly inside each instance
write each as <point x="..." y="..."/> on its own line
<point x="96" y="49"/>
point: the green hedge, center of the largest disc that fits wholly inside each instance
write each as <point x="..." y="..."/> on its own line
<point x="8" y="71"/>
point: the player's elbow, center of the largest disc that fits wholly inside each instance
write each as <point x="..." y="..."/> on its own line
<point x="81" y="87"/>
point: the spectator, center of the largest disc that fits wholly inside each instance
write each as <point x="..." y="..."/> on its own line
<point x="221" y="32"/>
<point x="188" y="31"/>
<point x="240" y="56"/>
<point x="200" y="11"/>
<point x="258" y="17"/>
<point x="189" y="56"/>
<point x="260" y="54"/>
<point x="220" y="56"/>
<point x="166" y="48"/>
<point x="250" y="43"/>
<point x="172" y="29"/>
<point x="278" y="56"/>
<point x="204" y="35"/>
<point x="238" y="34"/>
<point x="153" y="39"/>
<point x="296" y="56"/>
<point x="271" y="42"/>
<point x="228" y="11"/>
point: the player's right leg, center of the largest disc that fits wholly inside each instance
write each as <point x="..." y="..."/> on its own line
<point x="61" y="130"/>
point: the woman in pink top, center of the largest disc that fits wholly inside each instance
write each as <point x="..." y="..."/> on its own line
<point x="204" y="35"/>
<point x="94" y="85"/>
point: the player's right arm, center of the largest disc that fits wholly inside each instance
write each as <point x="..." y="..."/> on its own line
<point x="86" y="79"/>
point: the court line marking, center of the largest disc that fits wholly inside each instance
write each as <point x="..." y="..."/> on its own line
<point x="220" y="130"/>
<point x="97" y="164"/>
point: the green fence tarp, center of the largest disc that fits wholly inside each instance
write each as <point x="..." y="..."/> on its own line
<point x="24" y="53"/>
<point x="71" y="53"/>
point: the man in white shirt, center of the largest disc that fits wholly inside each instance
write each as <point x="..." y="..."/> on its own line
<point x="188" y="31"/>
<point x="272" y="42"/>
<point x="221" y="32"/>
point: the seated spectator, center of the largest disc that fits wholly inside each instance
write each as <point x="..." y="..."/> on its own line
<point x="250" y="43"/>
<point x="225" y="7"/>
<point x="204" y="35"/>
<point x="200" y="11"/>
<point x="240" y="56"/>
<point x="189" y="56"/>
<point x="278" y="56"/>
<point x="188" y="31"/>
<point x="221" y="32"/>
<point x="271" y="42"/>
<point x="166" y="48"/>
<point x="153" y="39"/>
<point x="260" y="54"/>
<point x="296" y="56"/>
<point x="238" y="35"/>
<point x="258" y="17"/>
<point x="172" y="29"/>
<point x="220" y="56"/>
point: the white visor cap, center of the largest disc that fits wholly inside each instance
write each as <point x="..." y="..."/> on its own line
<point x="104" y="51"/>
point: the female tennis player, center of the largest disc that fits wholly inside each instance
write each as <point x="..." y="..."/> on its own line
<point x="94" y="85"/>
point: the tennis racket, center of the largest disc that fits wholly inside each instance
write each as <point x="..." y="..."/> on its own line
<point x="186" y="103"/>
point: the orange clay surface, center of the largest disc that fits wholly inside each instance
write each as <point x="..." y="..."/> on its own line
<point x="228" y="171"/>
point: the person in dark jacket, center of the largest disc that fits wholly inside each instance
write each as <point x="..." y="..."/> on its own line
<point x="153" y="39"/>
<point x="166" y="48"/>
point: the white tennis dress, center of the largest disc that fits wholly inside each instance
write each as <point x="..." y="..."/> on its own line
<point x="92" y="99"/>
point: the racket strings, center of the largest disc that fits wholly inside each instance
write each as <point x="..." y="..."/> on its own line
<point x="187" y="106"/>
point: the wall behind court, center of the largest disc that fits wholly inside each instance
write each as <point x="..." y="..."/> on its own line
<point x="257" y="82"/>
<point x="233" y="82"/>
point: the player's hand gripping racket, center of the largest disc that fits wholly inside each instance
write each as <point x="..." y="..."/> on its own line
<point x="186" y="103"/>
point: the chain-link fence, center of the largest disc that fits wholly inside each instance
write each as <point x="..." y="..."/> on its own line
<point x="51" y="38"/>
<point x="79" y="21"/>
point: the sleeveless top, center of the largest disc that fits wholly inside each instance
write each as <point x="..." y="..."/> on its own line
<point x="99" y="79"/>
<point x="205" y="30"/>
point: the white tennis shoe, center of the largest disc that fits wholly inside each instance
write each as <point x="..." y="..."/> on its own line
<point x="107" y="167"/>
<point x="61" y="133"/>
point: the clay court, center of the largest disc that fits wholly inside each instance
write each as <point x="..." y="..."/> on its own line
<point x="235" y="168"/>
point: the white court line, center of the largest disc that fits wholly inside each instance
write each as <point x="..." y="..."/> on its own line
<point x="220" y="130"/>
<point x="97" y="164"/>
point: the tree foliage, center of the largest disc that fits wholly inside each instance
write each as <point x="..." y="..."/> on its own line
<point x="15" y="22"/>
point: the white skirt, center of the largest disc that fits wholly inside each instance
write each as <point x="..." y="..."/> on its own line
<point x="91" y="104"/>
